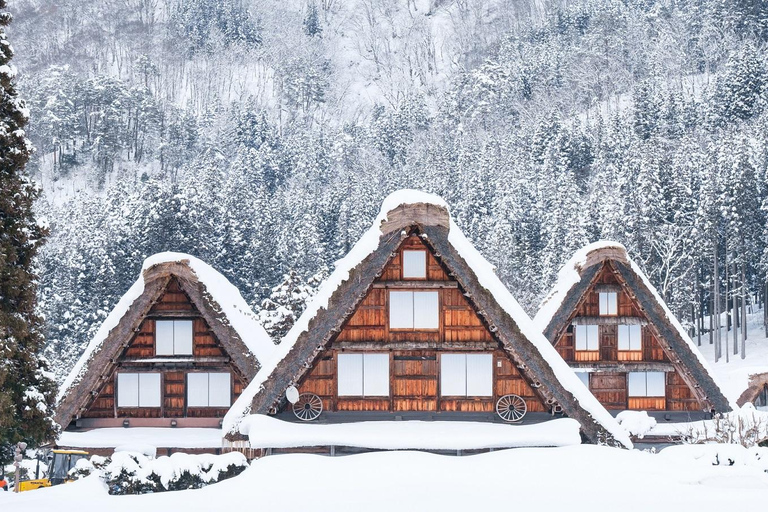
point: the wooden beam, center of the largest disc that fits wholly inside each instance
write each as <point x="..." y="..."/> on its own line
<point x="415" y="345"/>
<point x="416" y="284"/>
<point x="618" y="367"/>
<point x="609" y="320"/>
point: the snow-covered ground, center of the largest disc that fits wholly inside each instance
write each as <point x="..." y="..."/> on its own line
<point x="576" y="478"/>
<point x="143" y="436"/>
<point x="733" y="376"/>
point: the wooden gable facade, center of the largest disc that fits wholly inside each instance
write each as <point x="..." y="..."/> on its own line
<point x="618" y="337"/>
<point x="141" y="357"/>
<point x="414" y="355"/>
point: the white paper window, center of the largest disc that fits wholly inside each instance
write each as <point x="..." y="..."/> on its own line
<point x="466" y="375"/>
<point x="479" y="375"/>
<point x="138" y="390"/>
<point x="363" y="374"/>
<point x="646" y="384"/>
<point x="630" y="337"/>
<point x="587" y="337"/>
<point x="414" y="310"/>
<point x="209" y="390"/>
<point x="173" y="337"/>
<point x="414" y="264"/>
<point x="400" y="310"/>
<point x="127" y="389"/>
<point x="608" y="303"/>
<point x="584" y="378"/>
<point x="453" y="375"/>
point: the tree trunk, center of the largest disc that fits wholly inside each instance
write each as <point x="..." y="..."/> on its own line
<point x="743" y="311"/>
<point x="716" y="302"/>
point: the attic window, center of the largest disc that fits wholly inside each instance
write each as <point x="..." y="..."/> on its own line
<point x="630" y="337"/>
<point x="608" y="303"/>
<point x="413" y="310"/>
<point x="645" y="384"/>
<point x="173" y="337"/>
<point x="414" y="264"/>
<point x="587" y="337"/>
<point x="138" y="390"/>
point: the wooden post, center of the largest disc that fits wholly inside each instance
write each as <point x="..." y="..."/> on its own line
<point x="743" y="311"/>
<point x="716" y="302"/>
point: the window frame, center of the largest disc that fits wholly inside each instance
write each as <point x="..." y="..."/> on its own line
<point x="645" y="382"/>
<point x="173" y="322"/>
<point x="208" y="387"/>
<point x="465" y="356"/>
<point x="629" y="329"/>
<point x="425" y="277"/>
<point x="363" y="356"/>
<point x="608" y="304"/>
<point x="413" y="327"/>
<point x="139" y="404"/>
<point x="588" y="327"/>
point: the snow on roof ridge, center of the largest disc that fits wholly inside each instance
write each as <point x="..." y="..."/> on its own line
<point x="238" y="313"/>
<point x="366" y="245"/>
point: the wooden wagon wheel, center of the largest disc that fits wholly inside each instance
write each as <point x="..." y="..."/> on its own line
<point x="308" y="407"/>
<point x="511" y="408"/>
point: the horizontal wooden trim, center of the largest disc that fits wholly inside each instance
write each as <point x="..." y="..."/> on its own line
<point x="605" y="287"/>
<point x="609" y="320"/>
<point x="415" y="345"/>
<point x="179" y="315"/>
<point x="647" y="403"/>
<point x="623" y="367"/>
<point x="416" y="284"/>
<point x="148" y="422"/>
<point x="174" y="360"/>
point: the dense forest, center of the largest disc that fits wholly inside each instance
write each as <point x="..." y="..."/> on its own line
<point x="261" y="136"/>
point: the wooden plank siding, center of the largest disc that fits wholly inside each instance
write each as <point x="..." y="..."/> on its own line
<point x="610" y="388"/>
<point x="208" y="355"/>
<point x="414" y="354"/>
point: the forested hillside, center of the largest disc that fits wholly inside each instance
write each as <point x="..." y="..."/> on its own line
<point x="261" y="136"/>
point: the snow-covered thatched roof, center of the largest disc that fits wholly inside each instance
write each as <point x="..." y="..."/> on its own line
<point x="575" y="279"/>
<point x="355" y="274"/>
<point x="219" y="302"/>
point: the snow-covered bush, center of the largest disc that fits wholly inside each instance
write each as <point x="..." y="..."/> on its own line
<point x="745" y="426"/>
<point x="637" y="423"/>
<point x="135" y="473"/>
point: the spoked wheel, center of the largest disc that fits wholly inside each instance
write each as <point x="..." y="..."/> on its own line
<point x="308" y="407"/>
<point x="511" y="408"/>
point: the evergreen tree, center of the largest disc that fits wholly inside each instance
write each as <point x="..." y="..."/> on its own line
<point x="27" y="395"/>
<point x="312" y="26"/>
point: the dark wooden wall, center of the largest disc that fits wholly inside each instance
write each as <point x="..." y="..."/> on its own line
<point x="208" y="355"/>
<point x="609" y="382"/>
<point x="414" y="356"/>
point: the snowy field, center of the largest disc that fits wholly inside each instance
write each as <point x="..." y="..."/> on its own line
<point x="575" y="478"/>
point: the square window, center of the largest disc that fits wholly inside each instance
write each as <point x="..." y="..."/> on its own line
<point x="138" y="390"/>
<point x="608" y="303"/>
<point x="630" y="337"/>
<point x="173" y="337"/>
<point x="466" y="375"/>
<point x="414" y="310"/>
<point x="414" y="264"/>
<point x="363" y="374"/>
<point x="646" y="384"/>
<point x="587" y="337"/>
<point x="209" y="390"/>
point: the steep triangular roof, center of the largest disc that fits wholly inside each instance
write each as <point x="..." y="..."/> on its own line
<point x="217" y="300"/>
<point x="353" y="278"/>
<point x="575" y="279"/>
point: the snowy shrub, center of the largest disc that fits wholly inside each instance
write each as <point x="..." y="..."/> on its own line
<point x="135" y="473"/>
<point x="746" y="426"/>
<point x="637" y="423"/>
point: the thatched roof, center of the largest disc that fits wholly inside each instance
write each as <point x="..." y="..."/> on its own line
<point x="578" y="275"/>
<point x="757" y="382"/>
<point x="402" y="213"/>
<point x="218" y="301"/>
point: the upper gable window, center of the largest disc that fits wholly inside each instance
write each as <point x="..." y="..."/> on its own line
<point x="414" y="264"/>
<point x="630" y="337"/>
<point x="173" y="337"/>
<point x="608" y="303"/>
<point x="414" y="310"/>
